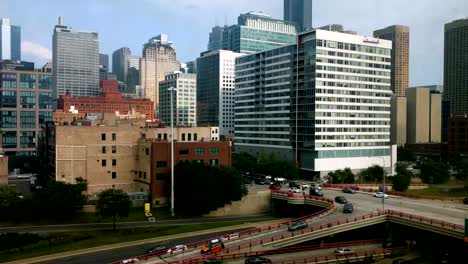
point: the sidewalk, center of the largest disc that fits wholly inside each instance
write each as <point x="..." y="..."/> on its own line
<point x="133" y="243"/>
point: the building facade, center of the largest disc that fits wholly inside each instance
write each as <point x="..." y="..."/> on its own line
<point x="110" y="101"/>
<point x="215" y="90"/>
<point x="75" y="61"/>
<point x="10" y="41"/>
<point x="299" y="12"/>
<point x="336" y="115"/>
<point x="25" y="104"/>
<point x="399" y="35"/>
<point x="456" y="65"/>
<point x="424" y="116"/>
<point x="119" y="63"/>
<point x="104" y="61"/>
<point x="398" y="120"/>
<point x="457" y="137"/>
<point x="184" y="99"/>
<point x="215" y="41"/>
<point x="257" y="32"/>
<point x="159" y="57"/>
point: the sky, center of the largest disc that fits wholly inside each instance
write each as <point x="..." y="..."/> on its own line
<point x="130" y="23"/>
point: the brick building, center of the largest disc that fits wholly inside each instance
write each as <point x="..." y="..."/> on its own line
<point x="457" y="144"/>
<point x="110" y="101"/>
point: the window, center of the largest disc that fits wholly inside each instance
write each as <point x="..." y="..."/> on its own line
<point x="199" y="151"/>
<point x="213" y="162"/>
<point x="28" y="139"/>
<point x="44" y="117"/>
<point x="114" y="175"/>
<point x="9" y="139"/>
<point x="195" y="137"/>
<point x="183" y="151"/>
<point x="147" y="151"/>
<point x="45" y="100"/>
<point x="183" y="136"/>
<point x="103" y="163"/>
<point x="28" y="81"/>
<point x="139" y="174"/>
<point x="104" y="150"/>
<point x="114" y="136"/>
<point x="144" y="175"/>
<point x="189" y="135"/>
<point x="8" y="119"/>
<point x="45" y="82"/>
<point x="28" y="99"/>
<point x="114" y="149"/>
<point x="7" y="98"/>
<point x="165" y="136"/>
<point x="162" y="176"/>
<point x="114" y="162"/>
<point x="161" y="164"/>
<point x="27" y="119"/>
<point x="214" y="150"/>
<point x="103" y="136"/>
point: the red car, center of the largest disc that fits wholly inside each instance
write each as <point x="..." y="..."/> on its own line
<point x="275" y="187"/>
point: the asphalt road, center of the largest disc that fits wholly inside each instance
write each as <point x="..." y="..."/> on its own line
<point x="123" y="225"/>
<point x="124" y="253"/>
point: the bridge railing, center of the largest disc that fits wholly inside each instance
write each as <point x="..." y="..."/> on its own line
<point x="424" y="219"/>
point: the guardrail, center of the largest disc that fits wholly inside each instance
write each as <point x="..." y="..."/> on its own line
<point x="429" y="197"/>
<point x="424" y="219"/>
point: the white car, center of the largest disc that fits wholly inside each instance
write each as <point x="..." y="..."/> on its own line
<point x="343" y="251"/>
<point x="130" y="260"/>
<point x="295" y="190"/>
<point x="380" y="195"/>
<point x="177" y="249"/>
<point x="280" y="179"/>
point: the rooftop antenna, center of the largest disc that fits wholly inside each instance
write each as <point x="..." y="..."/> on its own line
<point x="60" y="20"/>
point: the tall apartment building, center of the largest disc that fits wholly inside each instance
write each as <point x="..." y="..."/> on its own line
<point x="457" y="143"/>
<point x="257" y="32"/>
<point x="424" y="116"/>
<point x="399" y="35"/>
<point x="215" y="41"/>
<point x="398" y="120"/>
<point x="159" y="58"/>
<point x="299" y="12"/>
<point x="75" y="61"/>
<point x="10" y="41"/>
<point x="456" y="65"/>
<point x="104" y="61"/>
<point x="120" y="64"/>
<point x="25" y="104"/>
<point x="184" y="99"/>
<point x="215" y="90"/>
<point x="336" y="115"/>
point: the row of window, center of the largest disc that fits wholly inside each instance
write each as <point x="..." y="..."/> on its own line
<point x="104" y="162"/>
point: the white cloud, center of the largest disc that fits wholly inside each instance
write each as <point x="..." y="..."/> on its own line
<point x="34" y="52"/>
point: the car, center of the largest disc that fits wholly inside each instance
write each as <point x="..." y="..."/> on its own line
<point x="348" y="190"/>
<point x="130" y="260"/>
<point x="260" y="181"/>
<point x="343" y="251"/>
<point x="348" y="208"/>
<point x="295" y="190"/>
<point x="257" y="260"/>
<point x="297" y="225"/>
<point x="275" y="187"/>
<point x="316" y="192"/>
<point x="293" y="184"/>
<point x="214" y="245"/>
<point x="305" y="186"/>
<point x="316" y="186"/>
<point x="341" y="199"/>
<point x="465" y="200"/>
<point x="380" y="195"/>
<point x="176" y="249"/>
<point x="212" y="261"/>
<point x="280" y="179"/>
<point x="157" y="248"/>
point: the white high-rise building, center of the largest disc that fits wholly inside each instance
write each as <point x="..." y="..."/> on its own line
<point x="215" y="90"/>
<point x="75" y="61"/>
<point x="336" y="115"/>
<point x="10" y="41"/>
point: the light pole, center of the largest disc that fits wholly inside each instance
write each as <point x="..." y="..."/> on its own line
<point x="171" y="90"/>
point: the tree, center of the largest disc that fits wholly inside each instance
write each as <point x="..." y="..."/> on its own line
<point x="405" y="154"/>
<point x="113" y="202"/>
<point x="243" y="162"/>
<point x="402" y="179"/>
<point x="342" y="176"/>
<point x="374" y="173"/>
<point x="461" y="167"/>
<point x="434" y="172"/>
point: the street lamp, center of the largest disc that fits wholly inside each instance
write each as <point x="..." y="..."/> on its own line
<point x="171" y="90"/>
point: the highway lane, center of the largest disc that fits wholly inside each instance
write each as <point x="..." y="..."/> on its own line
<point x="123" y="225"/>
<point x="109" y="256"/>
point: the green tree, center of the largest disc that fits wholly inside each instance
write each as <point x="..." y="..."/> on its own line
<point x="244" y="162"/>
<point x="10" y="202"/>
<point x="374" y="173"/>
<point x="342" y="176"/>
<point x="271" y="165"/>
<point x="461" y="167"/>
<point x="434" y="172"/>
<point x="200" y="188"/>
<point x="405" y="154"/>
<point x="113" y="202"/>
<point x="402" y="179"/>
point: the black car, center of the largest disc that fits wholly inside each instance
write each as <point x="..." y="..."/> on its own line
<point x="297" y="225"/>
<point x="260" y="181"/>
<point x="293" y="184"/>
<point x="212" y="261"/>
<point x="465" y="200"/>
<point x="157" y="248"/>
<point x="257" y="260"/>
<point x="341" y="199"/>
<point x="316" y="192"/>
<point x="348" y="190"/>
<point x="348" y="208"/>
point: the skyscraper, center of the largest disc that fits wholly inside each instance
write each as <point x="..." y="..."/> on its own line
<point x="216" y="38"/>
<point x="328" y="118"/>
<point x="257" y="31"/>
<point x="75" y="61"/>
<point x="104" y="61"/>
<point x="10" y="41"/>
<point x="456" y="65"/>
<point x="159" y="58"/>
<point x="299" y="12"/>
<point x="119" y="63"/>
<point x="399" y="35"/>
<point x="215" y="90"/>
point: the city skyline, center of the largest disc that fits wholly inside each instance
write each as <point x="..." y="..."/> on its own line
<point x="151" y="18"/>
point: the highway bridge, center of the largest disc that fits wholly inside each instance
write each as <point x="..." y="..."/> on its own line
<point x="444" y="218"/>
